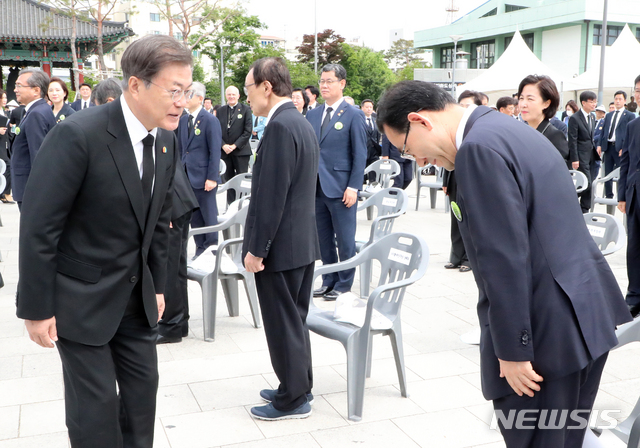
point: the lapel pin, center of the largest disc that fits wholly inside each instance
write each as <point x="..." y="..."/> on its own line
<point x="17" y="131"/>
<point x="456" y="211"/>
<point x="338" y="126"/>
<point x="239" y="116"/>
<point x="164" y="149"/>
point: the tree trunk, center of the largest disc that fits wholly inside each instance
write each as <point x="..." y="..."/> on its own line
<point x="101" y="64"/>
<point x="169" y="17"/>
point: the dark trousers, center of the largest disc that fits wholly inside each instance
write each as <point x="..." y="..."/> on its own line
<point x="611" y="162"/>
<point x="585" y="196"/>
<point x="633" y="248"/>
<point x="576" y="391"/>
<point x="96" y="415"/>
<point x="458" y="254"/>
<point x="7" y="175"/>
<point x="175" y="320"/>
<point x="206" y="215"/>
<point x="336" y="225"/>
<point x="284" y="302"/>
<point x="405" y="177"/>
<point x="235" y="165"/>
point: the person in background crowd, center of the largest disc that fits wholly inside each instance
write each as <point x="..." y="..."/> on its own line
<point x="601" y="112"/>
<point x="300" y="100"/>
<point x="539" y="101"/>
<point x="373" y="135"/>
<point x="106" y="91"/>
<point x="208" y="106"/>
<point x="506" y="105"/>
<point x="258" y="127"/>
<point x="58" y="93"/>
<point x="632" y="106"/>
<point x="569" y="109"/>
<point x="215" y="109"/>
<point x="84" y="102"/>
<point x="5" y="148"/>
<point x="313" y="93"/>
<point x="350" y="101"/>
<point x="485" y="98"/>
<point x="612" y="106"/>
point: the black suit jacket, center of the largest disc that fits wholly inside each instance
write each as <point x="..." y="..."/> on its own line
<point x="77" y="104"/>
<point x="556" y="137"/>
<point x="374" y="149"/>
<point x="547" y="295"/>
<point x="581" y="147"/>
<point x="630" y="165"/>
<point x="281" y="221"/>
<point x="239" y="133"/>
<point x="184" y="199"/>
<point x="84" y="240"/>
<point x="624" y="118"/>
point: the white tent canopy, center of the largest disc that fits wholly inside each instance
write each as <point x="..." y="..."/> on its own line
<point x="517" y="62"/>
<point x="621" y="67"/>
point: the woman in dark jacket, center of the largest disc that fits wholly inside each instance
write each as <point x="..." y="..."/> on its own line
<point x="58" y="94"/>
<point x="539" y="99"/>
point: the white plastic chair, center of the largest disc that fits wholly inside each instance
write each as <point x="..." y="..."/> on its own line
<point x="240" y="183"/>
<point x="385" y="170"/>
<point x="606" y="229"/>
<point x="580" y="181"/>
<point x="611" y="203"/>
<point x="433" y="187"/>
<point x="403" y="258"/>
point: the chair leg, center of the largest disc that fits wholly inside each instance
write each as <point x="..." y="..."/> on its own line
<point x="230" y="290"/>
<point x="356" y="369"/>
<point x="369" y="355"/>
<point x="611" y="209"/>
<point x="369" y="213"/>
<point x="252" y="295"/>
<point x="417" y="195"/>
<point x="395" y="335"/>
<point x="365" y="278"/>
<point x="209" y="301"/>
<point x="432" y="193"/>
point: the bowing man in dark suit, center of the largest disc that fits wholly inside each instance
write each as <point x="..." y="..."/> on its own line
<point x="628" y="197"/>
<point x="280" y="241"/>
<point x="236" y="125"/>
<point x="31" y="87"/>
<point x="340" y="129"/>
<point x="582" y="151"/>
<point x="200" y="143"/>
<point x="93" y="246"/>
<point x="548" y="301"/>
<point x="612" y="139"/>
<point x="84" y="102"/>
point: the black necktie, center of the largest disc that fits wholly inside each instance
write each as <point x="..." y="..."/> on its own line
<point x="230" y="117"/>
<point x="190" y="126"/>
<point x="613" y="125"/>
<point x="370" y="123"/>
<point x="325" y="123"/>
<point x="84" y="104"/>
<point x="147" y="170"/>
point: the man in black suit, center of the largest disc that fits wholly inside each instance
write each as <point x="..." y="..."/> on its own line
<point x="548" y="301"/>
<point x="374" y="150"/>
<point x="582" y="151"/>
<point x="84" y="102"/>
<point x="628" y="196"/>
<point x="280" y="239"/>
<point x="93" y="246"/>
<point x="612" y="139"/>
<point x="313" y="93"/>
<point x="31" y="87"/>
<point x="236" y="125"/>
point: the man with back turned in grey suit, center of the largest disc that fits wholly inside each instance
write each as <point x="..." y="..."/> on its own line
<point x="548" y="302"/>
<point x="280" y="240"/>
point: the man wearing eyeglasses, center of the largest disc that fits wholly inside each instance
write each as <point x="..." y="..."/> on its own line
<point x="342" y="134"/>
<point x="548" y="302"/>
<point x="31" y="87"/>
<point x="93" y="246"/>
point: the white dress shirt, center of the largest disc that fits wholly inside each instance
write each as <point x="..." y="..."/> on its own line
<point x="137" y="132"/>
<point x="463" y="123"/>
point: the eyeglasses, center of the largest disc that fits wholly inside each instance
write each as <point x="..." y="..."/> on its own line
<point x="403" y="153"/>
<point x="20" y="86"/>
<point x="176" y="95"/>
<point x="246" y="88"/>
<point x="327" y="81"/>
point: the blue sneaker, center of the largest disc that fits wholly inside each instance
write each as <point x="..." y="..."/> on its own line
<point x="268" y="412"/>
<point x="268" y="394"/>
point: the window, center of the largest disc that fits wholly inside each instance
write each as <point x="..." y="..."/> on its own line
<point x="612" y="34"/>
<point x="446" y="57"/>
<point x="178" y="36"/>
<point x="511" y="8"/>
<point x="493" y="12"/>
<point x="155" y="16"/>
<point x="528" y="39"/>
<point x="483" y="54"/>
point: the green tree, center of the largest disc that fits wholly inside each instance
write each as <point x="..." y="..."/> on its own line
<point x="407" y="72"/>
<point x="402" y="53"/>
<point x="367" y="73"/>
<point x="302" y="75"/>
<point x="240" y="66"/>
<point x="330" y="48"/>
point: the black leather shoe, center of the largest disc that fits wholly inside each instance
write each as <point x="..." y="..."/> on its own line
<point x="634" y="310"/>
<point x="164" y="340"/>
<point x="321" y="291"/>
<point x="331" y="296"/>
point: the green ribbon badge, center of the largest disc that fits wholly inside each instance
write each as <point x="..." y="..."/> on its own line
<point x="197" y="132"/>
<point x="239" y="116"/>
<point x="456" y="211"/>
<point x="62" y="117"/>
<point x="17" y="130"/>
<point x="338" y="126"/>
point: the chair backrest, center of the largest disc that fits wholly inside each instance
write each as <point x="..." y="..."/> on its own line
<point x="579" y="180"/>
<point x="605" y="229"/>
<point x="3" y="180"/>
<point x="389" y="203"/>
<point x="385" y="169"/>
<point x="241" y="184"/>
<point x="613" y="176"/>
<point x="223" y="167"/>
<point x="401" y="256"/>
<point x="439" y="174"/>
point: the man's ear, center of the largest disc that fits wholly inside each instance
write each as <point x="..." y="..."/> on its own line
<point x="415" y="117"/>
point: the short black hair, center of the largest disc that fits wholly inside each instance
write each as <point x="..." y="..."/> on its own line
<point x="108" y="88"/>
<point x="588" y="95"/>
<point x="548" y="92"/>
<point x="366" y="101"/>
<point x="276" y="72"/>
<point x="621" y="92"/>
<point x="339" y="70"/>
<point x="611" y="103"/>
<point x="410" y="96"/>
<point x="314" y="90"/>
<point x="636" y="81"/>
<point x="208" y="99"/>
<point x="504" y="102"/>
<point x="476" y="96"/>
<point x="84" y="84"/>
<point x="305" y="97"/>
<point x="484" y="95"/>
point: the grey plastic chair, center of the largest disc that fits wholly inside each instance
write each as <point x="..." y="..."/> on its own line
<point x="222" y="168"/>
<point x="433" y="187"/>
<point x="389" y="203"/>
<point x="403" y="258"/>
<point x="385" y="170"/>
<point x="241" y="184"/>
<point x="606" y="229"/>
<point x="227" y="268"/>
<point x="579" y="180"/>
<point x="611" y="203"/>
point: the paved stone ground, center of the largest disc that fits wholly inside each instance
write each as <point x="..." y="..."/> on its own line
<point x="206" y="389"/>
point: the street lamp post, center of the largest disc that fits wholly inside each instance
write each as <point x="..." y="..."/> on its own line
<point x="315" y="33"/>
<point x="455" y="39"/>
<point x="222" y="102"/>
<point x="603" y="37"/>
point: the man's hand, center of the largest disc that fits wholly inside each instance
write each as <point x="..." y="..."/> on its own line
<point x="227" y="149"/>
<point x="253" y="264"/>
<point x="160" y="300"/>
<point x="384" y="157"/>
<point x="622" y="206"/>
<point x="210" y="185"/>
<point x="520" y="376"/>
<point x="3" y="131"/>
<point x="599" y="149"/>
<point x="350" y="197"/>
<point x="444" y="190"/>
<point x="620" y="153"/>
<point x="42" y="332"/>
<point x="575" y="165"/>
